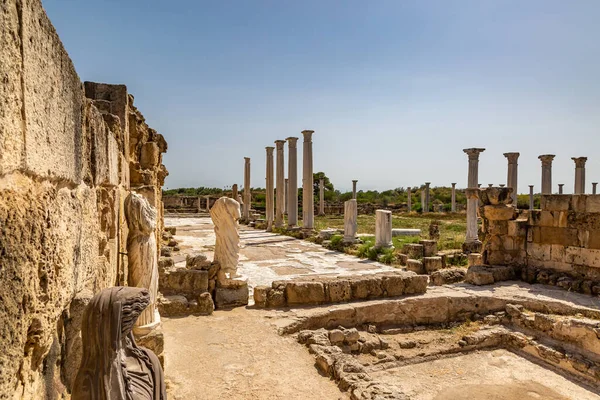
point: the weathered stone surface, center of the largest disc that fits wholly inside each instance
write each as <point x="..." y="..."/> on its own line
<point x="405" y="232"/>
<point x="198" y="261"/>
<point x="232" y="294"/>
<point x="479" y="275"/>
<point x="225" y="214"/>
<point x="184" y="281"/>
<point x="447" y="276"/>
<point x="415" y="266"/>
<point x="177" y="305"/>
<point x="305" y="293"/>
<point x="260" y="295"/>
<point x="338" y="291"/>
<point x="432" y="264"/>
<point x="413" y="250"/>
<point x="383" y="228"/>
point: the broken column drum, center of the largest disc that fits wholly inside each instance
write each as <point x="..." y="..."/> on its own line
<point x="270" y="207"/>
<point x="292" y="193"/>
<point x="383" y="229"/>
<point x="513" y="174"/>
<point x="280" y="182"/>
<point x="308" y="201"/>
<point x="225" y="215"/>
<point x="112" y="365"/>
<point x="142" y="254"/>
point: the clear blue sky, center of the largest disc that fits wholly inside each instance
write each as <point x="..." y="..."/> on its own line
<point x="394" y="90"/>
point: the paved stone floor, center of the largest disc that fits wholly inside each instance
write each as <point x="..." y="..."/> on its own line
<point x="238" y="354"/>
<point x="265" y="257"/>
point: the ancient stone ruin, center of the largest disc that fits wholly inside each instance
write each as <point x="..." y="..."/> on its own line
<point x="110" y="291"/>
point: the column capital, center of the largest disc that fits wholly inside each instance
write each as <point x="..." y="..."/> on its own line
<point x="561" y="184"/>
<point x="292" y="141"/>
<point x="579" y="161"/>
<point x="453" y="184"/>
<point x="512" y="157"/>
<point x="279" y="144"/>
<point x="247" y="159"/>
<point x="473" y="153"/>
<point x="408" y="188"/>
<point x="427" y="184"/>
<point x="307" y="135"/>
<point x="270" y="149"/>
<point x="547" y="159"/>
<point x="354" y="180"/>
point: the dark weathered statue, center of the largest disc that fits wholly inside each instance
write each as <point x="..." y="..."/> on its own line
<point x="112" y="365"/>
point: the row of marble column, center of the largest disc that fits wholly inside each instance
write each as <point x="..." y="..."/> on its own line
<point x="286" y="200"/>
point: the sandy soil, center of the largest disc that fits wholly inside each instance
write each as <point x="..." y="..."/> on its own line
<point x="239" y="355"/>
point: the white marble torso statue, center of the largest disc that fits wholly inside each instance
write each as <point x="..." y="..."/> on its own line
<point x="142" y="252"/>
<point x="225" y="214"/>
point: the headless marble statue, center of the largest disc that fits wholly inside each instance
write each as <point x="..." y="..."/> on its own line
<point x="142" y="253"/>
<point x="225" y="214"/>
<point x="113" y="367"/>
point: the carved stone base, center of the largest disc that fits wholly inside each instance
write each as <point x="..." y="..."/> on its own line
<point x="231" y="293"/>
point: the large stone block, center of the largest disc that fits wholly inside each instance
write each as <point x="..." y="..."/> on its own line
<point x="364" y="287"/>
<point x="560" y="202"/>
<point x="183" y="281"/>
<point x="53" y="101"/>
<point x="338" y="291"/>
<point x="415" y="266"/>
<point x="393" y="285"/>
<point x="11" y="93"/>
<point x="499" y="212"/>
<point x="448" y="276"/>
<point x="235" y="294"/>
<point x="413" y="250"/>
<point x="304" y="293"/>
<point x="563" y="236"/>
<point x="150" y="155"/>
<point x="415" y="284"/>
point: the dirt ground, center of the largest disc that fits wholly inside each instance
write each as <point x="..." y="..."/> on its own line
<point x="483" y="375"/>
<point x="238" y="354"/>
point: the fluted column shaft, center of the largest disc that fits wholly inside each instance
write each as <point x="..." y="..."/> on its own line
<point x="279" y="182"/>
<point x="308" y="201"/>
<point x="594" y="186"/>
<point x="547" y="172"/>
<point x="560" y="188"/>
<point x="579" y="174"/>
<point x="513" y="174"/>
<point x="247" y="195"/>
<point x="354" y="189"/>
<point x="270" y="211"/>
<point x="409" y="199"/>
<point x="472" y="198"/>
<point x="292" y="205"/>
<point x="321" y="196"/>
<point x="285" y="195"/>
<point x="453" y="208"/>
<point x="531" y="197"/>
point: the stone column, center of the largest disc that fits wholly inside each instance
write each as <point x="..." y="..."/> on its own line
<point x="426" y="209"/>
<point x="234" y="191"/>
<point x="321" y="196"/>
<point x="547" y="172"/>
<point x="453" y="197"/>
<point x="531" y="197"/>
<point x="279" y="183"/>
<point x="247" y="195"/>
<point x="207" y="203"/>
<point x="383" y="228"/>
<point x="350" y="220"/>
<point x="512" y="176"/>
<point x="502" y="185"/>
<point x="594" y="185"/>
<point x="270" y="211"/>
<point x="472" y="243"/>
<point x="560" y="188"/>
<point x="579" y="174"/>
<point x="285" y="195"/>
<point x="490" y="185"/>
<point x="423" y="201"/>
<point x="292" y="206"/>
<point x="409" y="199"/>
<point x="354" y="189"/>
<point x="308" y="201"/>
<point x="199" y="204"/>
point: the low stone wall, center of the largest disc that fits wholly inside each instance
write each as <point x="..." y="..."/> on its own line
<point x="325" y="290"/>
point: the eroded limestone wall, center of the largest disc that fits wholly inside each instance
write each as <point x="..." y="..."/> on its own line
<point x="66" y="161"/>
